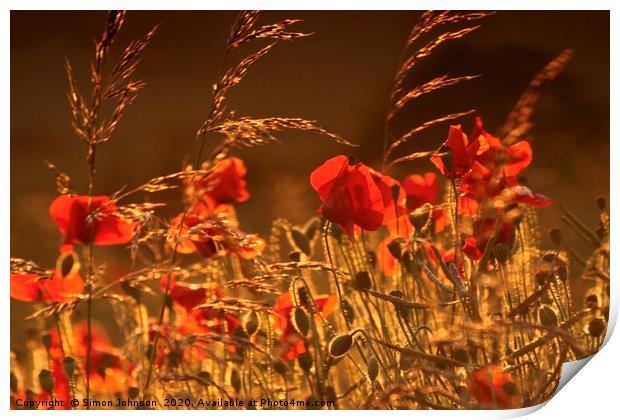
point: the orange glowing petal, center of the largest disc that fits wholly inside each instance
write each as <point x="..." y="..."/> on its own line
<point x="519" y="157"/>
<point x="327" y="304"/>
<point x="25" y="287"/>
<point x="386" y="260"/>
<point x="251" y="247"/>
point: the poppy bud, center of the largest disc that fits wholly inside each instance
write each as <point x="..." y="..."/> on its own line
<point x="596" y="327"/>
<point x="69" y="365"/>
<point x="340" y="345"/>
<point x="305" y="361"/>
<point x="46" y="380"/>
<point x="294" y="256"/>
<point x="362" y="281"/>
<point x="235" y="380"/>
<point x="372" y="368"/>
<point x="547" y="317"/>
<point x="251" y="322"/>
<point x="556" y="236"/>
<point x="300" y="321"/>
<point x="301" y="241"/>
<point x="312" y="227"/>
<point x="395" y="248"/>
<point x="601" y="203"/>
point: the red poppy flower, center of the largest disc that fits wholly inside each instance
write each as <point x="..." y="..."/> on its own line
<point x="481" y="184"/>
<point x="461" y="153"/>
<point x="187" y="295"/>
<point x="225" y="184"/>
<point x="395" y="216"/>
<point x="490" y="385"/>
<point x="210" y="236"/>
<point x="55" y="286"/>
<point x="510" y="160"/>
<point x="423" y="189"/>
<point x="71" y="214"/>
<point x="105" y="360"/>
<point x="350" y="195"/>
<point x="483" y="231"/>
<point x="283" y="308"/>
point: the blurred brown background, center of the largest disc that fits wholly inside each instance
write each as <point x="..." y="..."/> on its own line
<point x="341" y="77"/>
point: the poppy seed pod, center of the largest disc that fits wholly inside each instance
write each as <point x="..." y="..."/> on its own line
<point x="395" y="247"/>
<point x="372" y="368"/>
<point x="547" y="317"/>
<point x="69" y="366"/>
<point x="301" y="241"/>
<point x="46" y="380"/>
<point x="340" y="345"/>
<point x="300" y="321"/>
<point x="305" y="361"/>
<point x="419" y="220"/>
<point x="362" y="281"/>
<point x="596" y="327"/>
